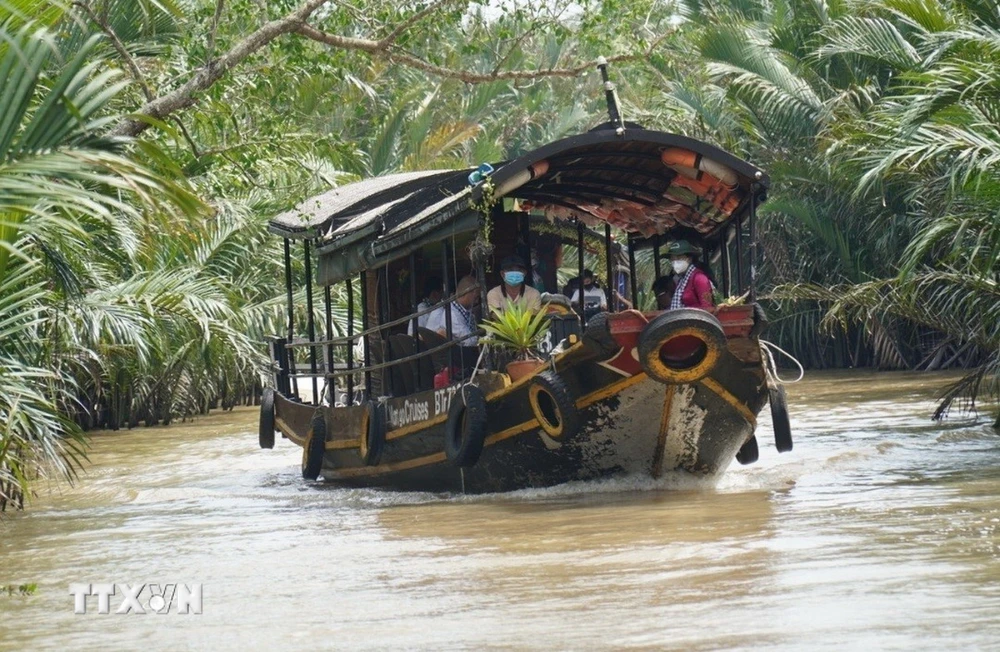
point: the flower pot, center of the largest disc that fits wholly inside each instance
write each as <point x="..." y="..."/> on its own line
<point x="520" y="368"/>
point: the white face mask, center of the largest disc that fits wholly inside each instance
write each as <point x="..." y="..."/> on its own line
<point x="680" y="266"/>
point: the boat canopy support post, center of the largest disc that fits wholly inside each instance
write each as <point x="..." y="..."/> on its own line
<point x="331" y="385"/>
<point x="525" y="223"/>
<point x="579" y="267"/>
<point x="415" y="321"/>
<point x="739" y="257"/>
<point x="447" y="308"/>
<point x="656" y="259"/>
<point x="350" y="340"/>
<point x="290" y="304"/>
<point x="754" y="189"/>
<point x="727" y="286"/>
<point x="311" y="322"/>
<point x="610" y="290"/>
<point x="364" y="329"/>
<point x="631" y="270"/>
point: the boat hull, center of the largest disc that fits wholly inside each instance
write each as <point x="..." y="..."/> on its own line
<point x="630" y="424"/>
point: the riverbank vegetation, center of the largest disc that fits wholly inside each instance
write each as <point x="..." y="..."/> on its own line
<point x="145" y="143"/>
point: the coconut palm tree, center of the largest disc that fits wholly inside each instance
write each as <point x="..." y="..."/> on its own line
<point x="62" y="186"/>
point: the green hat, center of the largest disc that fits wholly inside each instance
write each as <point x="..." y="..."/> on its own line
<point x="678" y="247"/>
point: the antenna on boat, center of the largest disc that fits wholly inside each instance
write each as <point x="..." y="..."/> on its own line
<point x="611" y="97"/>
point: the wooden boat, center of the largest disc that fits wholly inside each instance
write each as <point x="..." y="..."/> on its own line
<point x="623" y="392"/>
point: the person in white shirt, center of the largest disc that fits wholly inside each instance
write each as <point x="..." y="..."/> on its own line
<point x="594" y="298"/>
<point x="432" y="295"/>
<point x="513" y="288"/>
<point x="463" y="321"/>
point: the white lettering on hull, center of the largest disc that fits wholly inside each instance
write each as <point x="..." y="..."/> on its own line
<point x="415" y="410"/>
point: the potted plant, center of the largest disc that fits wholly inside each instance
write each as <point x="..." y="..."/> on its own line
<point x="519" y="330"/>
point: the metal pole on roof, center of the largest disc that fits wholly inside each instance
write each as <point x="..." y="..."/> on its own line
<point x="612" y="302"/>
<point x="579" y="267"/>
<point x="311" y="322"/>
<point x="611" y="97"/>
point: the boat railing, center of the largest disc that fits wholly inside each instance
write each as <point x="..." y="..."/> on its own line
<point x="349" y="340"/>
<point x="286" y="375"/>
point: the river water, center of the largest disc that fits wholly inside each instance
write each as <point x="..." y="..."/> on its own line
<point x="881" y="530"/>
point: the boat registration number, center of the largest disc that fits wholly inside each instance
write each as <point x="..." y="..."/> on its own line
<point x="403" y="412"/>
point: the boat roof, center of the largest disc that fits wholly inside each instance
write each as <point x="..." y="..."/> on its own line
<point x="647" y="183"/>
<point x="315" y="216"/>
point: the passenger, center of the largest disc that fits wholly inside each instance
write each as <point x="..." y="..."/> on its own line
<point x="570" y="287"/>
<point x="537" y="272"/>
<point x="513" y="287"/>
<point x="663" y="289"/>
<point x="594" y="299"/>
<point x="463" y="321"/>
<point x="432" y="296"/>
<point x="693" y="285"/>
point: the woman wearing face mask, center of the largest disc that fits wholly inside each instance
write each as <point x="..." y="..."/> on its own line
<point x="693" y="286"/>
<point x="512" y="287"/>
<point x="594" y="298"/>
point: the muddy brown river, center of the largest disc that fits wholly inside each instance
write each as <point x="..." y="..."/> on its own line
<point x="881" y="530"/>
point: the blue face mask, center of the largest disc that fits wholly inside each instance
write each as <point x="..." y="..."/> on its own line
<point x="513" y="278"/>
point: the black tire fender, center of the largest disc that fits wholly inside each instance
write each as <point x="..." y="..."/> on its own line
<point x="314" y="448"/>
<point x="699" y="327"/>
<point x="553" y="405"/>
<point x="779" y="418"/>
<point x="266" y="429"/>
<point x="373" y="434"/>
<point x="466" y="427"/>
<point x="749" y="452"/>
<point x="598" y="336"/>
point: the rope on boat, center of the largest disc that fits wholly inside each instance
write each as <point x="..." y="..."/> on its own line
<point x="475" y="370"/>
<point x="771" y="369"/>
